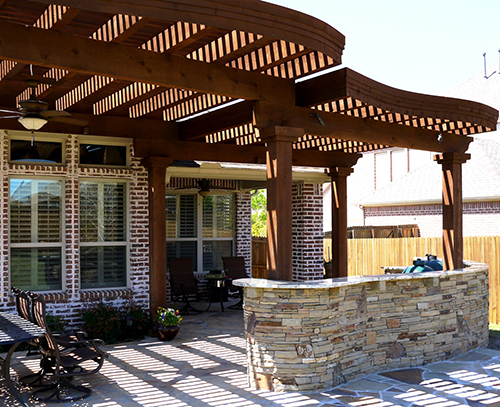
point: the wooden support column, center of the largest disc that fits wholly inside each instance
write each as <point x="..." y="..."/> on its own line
<point x="279" y="199"/>
<point x="157" y="167"/>
<point x="452" y="208"/>
<point x="339" y="220"/>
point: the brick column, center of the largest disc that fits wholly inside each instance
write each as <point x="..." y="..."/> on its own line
<point x="244" y="228"/>
<point x="307" y="236"/>
<point x="452" y="208"/>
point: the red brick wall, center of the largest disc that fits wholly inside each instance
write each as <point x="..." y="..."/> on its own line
<point x="244" y="228"/>
<point x="307" y="238"/>
<point x="70" y="300"/>
<point x="479" y="218"/>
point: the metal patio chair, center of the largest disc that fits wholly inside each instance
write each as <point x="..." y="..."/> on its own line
<point x="183" y="282"/>
<point x="64" y="360"/>
<point x="235" y="269"/>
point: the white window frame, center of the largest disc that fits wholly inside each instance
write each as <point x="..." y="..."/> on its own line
<point x="199" y="227"/>
<point x="61" y="244"/>
<point x="121" y="142"/>
<point x="126" y="243"/>
<point x="52" y="138"/>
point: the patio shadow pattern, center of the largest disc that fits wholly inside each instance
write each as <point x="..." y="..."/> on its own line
<point x="206" y="366"/>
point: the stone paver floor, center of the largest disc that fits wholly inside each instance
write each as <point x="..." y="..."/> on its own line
<point x="205" y="365"/>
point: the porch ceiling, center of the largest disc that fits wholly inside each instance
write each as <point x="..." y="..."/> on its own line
<point x="155" y="70"/>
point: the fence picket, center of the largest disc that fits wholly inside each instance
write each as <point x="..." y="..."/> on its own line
<point x="367" y="256"/>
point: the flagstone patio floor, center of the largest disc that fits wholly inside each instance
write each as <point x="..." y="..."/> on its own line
<point x="205" y="365"/>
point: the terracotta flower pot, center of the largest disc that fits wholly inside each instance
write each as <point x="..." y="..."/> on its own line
<point x="167" y="333"/>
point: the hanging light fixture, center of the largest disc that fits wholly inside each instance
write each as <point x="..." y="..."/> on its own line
<point x="32" y="121"/>
<point x="204" y="185"/>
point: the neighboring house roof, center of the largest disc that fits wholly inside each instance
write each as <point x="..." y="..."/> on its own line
<point x="480" y="89"/>
<point x="481" y="180"/>
<point x="481" y="174"/>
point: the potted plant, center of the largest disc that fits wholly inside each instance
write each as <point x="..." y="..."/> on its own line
<point x="328" y="265"/>
<point x="167" y="323"/>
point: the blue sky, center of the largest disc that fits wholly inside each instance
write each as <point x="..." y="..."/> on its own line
<point x="423" y="46"/>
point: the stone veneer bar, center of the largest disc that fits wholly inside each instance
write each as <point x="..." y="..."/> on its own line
<point x="316" y="335"/>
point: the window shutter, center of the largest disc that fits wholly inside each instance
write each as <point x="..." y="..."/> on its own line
<point x="114" y="220"/>
<point x="187" y="215"/>
<point x="103" y="223"/>
<point x="102" y="212"/>
<point x="218" y="217"/>
<point x="36" y="268"/>
<point x="181" y="216"/>
<point x="36" y="219"/>
<point x="49" y="211"/>
<point x="20" y="211"/>
<point x="88" y="212"/>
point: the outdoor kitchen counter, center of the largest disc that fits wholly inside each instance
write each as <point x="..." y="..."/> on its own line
<point x="346" y="281"/>
<point x="314" y="335"/>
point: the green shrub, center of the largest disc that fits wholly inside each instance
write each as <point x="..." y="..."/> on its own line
<point x="115" y="324"/>
<point x="102" y="321"/>
<point x="135" y="321"/>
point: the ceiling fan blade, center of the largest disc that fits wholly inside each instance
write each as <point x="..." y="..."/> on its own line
<point x="48" y="114"/>
<point x="10" y="117"/>
<point x="68" y="120"/>
<point x="9" y="111"/>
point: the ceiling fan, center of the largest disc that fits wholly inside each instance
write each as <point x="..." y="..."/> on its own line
<point x="33" y="113"/>
<point x="204" y="187"/>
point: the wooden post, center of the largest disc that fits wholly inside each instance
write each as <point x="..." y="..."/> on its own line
<point x="339" y="220"/>
<point x="157" y="167"/>
<point x="452" y="208"/>
<point x="279" y="199"/>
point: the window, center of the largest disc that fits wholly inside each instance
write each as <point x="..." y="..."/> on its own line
<point x="94" y="154"/>
<point x="103" y="234"/>
<point x="36" y="234"/>
<point x="36" y="151"/>
<point x="200" y="228"/>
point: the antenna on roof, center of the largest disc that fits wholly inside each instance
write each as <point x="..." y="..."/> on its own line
<point x="485" y="75"/>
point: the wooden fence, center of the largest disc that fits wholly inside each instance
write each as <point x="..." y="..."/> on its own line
<point x="259" y="251"/>
<point x="368" y="256"/>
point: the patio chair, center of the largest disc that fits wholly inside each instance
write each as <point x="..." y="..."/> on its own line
<point x="235" y="269"/>
<point x="64" y="360"/>
<point x="183" y="282"/>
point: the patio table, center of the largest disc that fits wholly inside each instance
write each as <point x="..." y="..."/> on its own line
<point x="217" y="283"/>
<point x="15" y="330"/>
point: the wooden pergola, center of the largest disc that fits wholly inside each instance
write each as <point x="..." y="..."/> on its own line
<point x="218" y="80"/>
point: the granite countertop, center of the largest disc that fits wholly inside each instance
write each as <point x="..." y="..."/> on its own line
<point x="352" y="280"/>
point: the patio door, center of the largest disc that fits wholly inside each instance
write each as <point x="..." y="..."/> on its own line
<point x="200" y="228"/>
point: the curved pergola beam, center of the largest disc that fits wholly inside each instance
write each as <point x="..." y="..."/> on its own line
<point x="346" y="83"/>
<point x="253" y="16"/>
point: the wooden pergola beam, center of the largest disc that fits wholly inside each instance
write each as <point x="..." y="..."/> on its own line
<point x="251" y="154"/>
<point x="36" y="46"/>
<point x="219" y="120"/>
<point x="251" y="16"/>
<point x="346" y="83"/>
<point x="110" y="126"/>
<point x="352" y="128"/>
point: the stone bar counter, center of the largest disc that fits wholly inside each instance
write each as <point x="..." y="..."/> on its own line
<point x="315" y="335"/>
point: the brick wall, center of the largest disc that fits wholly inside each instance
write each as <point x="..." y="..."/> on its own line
<point x="69" y="301"/>
<point x="314" y="336"/>
<point x="244" y="228"/>
<point x="307" y="235"/>
<point x="479" y="218"/>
